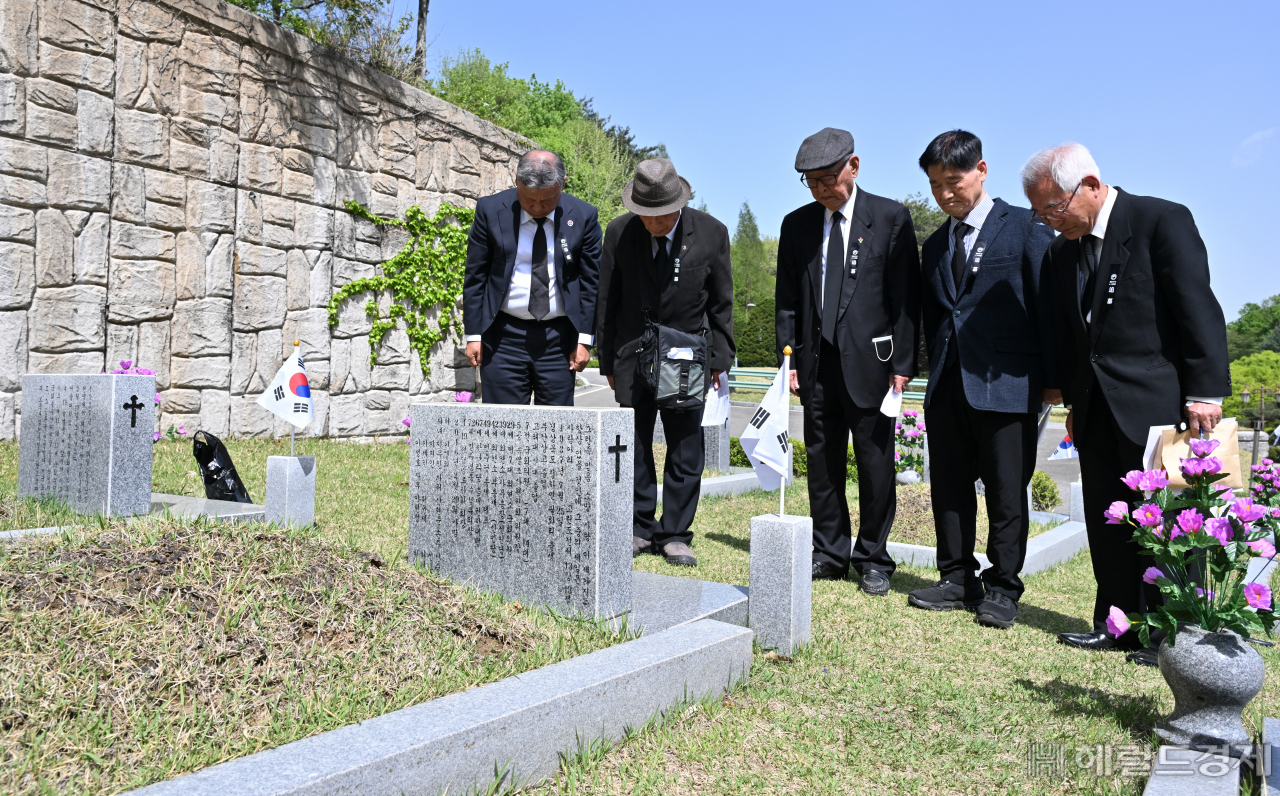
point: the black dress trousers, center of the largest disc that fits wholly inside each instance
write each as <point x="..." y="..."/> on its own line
<point x="999" y="448"/>
<point x="681" y="477"/>
<point x="829" y="416"/>
<point x="1106" y="456"/>
<point x="524" y="358"/>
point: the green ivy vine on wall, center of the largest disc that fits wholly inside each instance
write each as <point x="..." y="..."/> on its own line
<point x="425" y="274"/>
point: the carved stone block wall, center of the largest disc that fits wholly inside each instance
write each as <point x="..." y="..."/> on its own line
<point x="172" y="180"/>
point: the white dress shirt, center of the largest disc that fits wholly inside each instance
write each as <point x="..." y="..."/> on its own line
<point x="517" y="301"/>
<point x="977" y="216"/>
<point x="846" y="213"/>
<point x="1099" y="231"/>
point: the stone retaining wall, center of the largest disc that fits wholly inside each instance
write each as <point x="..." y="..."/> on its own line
<point x="172" y="176"/>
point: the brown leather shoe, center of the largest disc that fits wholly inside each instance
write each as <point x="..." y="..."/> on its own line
<point x="678" y="553"/>
<point x="639" y="546"/>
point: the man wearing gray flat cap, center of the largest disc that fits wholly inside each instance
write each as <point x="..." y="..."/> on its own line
<point x="848" y="303"/>
<point x="672" y="261"/>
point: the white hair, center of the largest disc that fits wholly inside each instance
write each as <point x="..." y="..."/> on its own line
<point x="1066" y="164"/>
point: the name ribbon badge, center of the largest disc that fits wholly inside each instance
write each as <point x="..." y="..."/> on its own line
<point x="1111" y="287"/>
<point x="564" y="247"/>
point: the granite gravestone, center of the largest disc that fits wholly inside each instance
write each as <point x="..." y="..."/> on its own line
<point x="87" y="441"/>
<point x="291" y="490"/>
<point x="533" y="502"/>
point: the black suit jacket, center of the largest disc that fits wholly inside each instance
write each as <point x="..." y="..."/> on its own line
<point x="611" y="235"/>
<point x="1002" y="316"/>
<point x="491" y="259"/>
<point x="881" y="296"/>
<point x="701" y="299"/>
<point x="1158" y="333"/>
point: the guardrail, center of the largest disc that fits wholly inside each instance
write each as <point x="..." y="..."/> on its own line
<point x="761" y="378"/>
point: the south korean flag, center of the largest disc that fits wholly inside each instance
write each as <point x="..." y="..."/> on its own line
<point x="289" y="394"/>
<point x="766" y="441"/>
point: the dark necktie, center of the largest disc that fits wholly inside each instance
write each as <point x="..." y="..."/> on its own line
<point x="833" y="279"/>
<point x="1088" y="272"/>
<point x="540" y="281"/>
<point x="958" y="258"/>
<point x="660" y="257"/>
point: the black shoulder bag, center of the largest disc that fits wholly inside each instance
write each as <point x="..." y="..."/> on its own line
<point x="671" y="364"/>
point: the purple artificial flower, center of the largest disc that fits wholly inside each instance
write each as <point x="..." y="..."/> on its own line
<point x="1151" y="574"/>
<point x="1201" y="593"/>
<point x="1117" y="622"/>
<point x="1132" y="479"/>
<point x="1203" y="447"/>
<point x="1220" y="528"/>
<point x="1153" y="481"/>
<point x="1149" y="515"/>
<point x="1193" y="468"/>
<point x="157" y="397"/>
<point x="1246" y="511"/>
<point x="920" y="425"/>
<point x="910" y="413"/>
<point x="182" y="429"/>
<point x="1263" y="548"/>
<point x="897" y="456"/>
<point x="911" y="433"/>
<point x="1258" y="596"/>
<point x="407" y="422"/>
<point x="1276" y="512"/>
<point x="898" y="427"/>
<point x="462" y="397"/>
<point x="155" y="436"/>
<point x="1189" y="521"/>
<point x="1267" y="462"/>
<point x="1117" y="513"/>
<point x="125" y="364"/>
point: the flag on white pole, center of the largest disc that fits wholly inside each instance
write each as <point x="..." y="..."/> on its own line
<point x="289" y="394"/>
<point x="766" y="439"/>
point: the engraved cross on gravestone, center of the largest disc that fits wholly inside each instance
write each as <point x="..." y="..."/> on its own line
<point x="133" y="406"/>
<point x="617" y="449"/>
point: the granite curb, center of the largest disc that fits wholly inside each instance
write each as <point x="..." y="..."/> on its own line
<point x="1044" y="551"/>
<point x="725" y="485"/>
<point x="520" y="726"/>
<point x="1176" y="771"/>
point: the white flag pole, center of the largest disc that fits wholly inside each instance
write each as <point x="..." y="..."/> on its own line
<point x="296" y="353"/>
<point x="786" y="392"/>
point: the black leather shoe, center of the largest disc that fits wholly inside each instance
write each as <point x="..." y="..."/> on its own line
<point x="874" y="582"/>
<point x="997" y="610"/>
<point x="1144" y="657"/>
<point x="946" y="596"/>
<point x="1097" y="640"/>
<point x="823" y="570"/>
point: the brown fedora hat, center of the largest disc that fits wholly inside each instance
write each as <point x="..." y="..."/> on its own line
<point x="656" y="190"/>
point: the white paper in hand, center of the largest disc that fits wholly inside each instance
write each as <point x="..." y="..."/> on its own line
<point x="766" y="440"/>
<point x="891" y="406"/>
<point x="716" y="410"/>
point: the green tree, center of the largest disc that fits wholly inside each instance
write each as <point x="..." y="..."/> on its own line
<point x="1257" y="323"/>
<point x="754" y="280"/>
<point x="925" y="219"/>
<point x="755" y="335"/>
<point x="1256" y="370"/>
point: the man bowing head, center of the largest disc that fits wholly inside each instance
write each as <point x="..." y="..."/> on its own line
<point x="848" y="302"/>
<point x="529" y="293"/>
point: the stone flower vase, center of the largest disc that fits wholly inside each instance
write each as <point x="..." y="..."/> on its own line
<point x="907" y="477"/>
<point x="1213" y="677"/>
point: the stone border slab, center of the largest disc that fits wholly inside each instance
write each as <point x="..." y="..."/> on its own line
<point x="221" y="510"/>
<point x="1044" y="551"/>
<point x="723" y="485"/>
<point x="1185" y="772"/>
<point x="661" y="602"/>
<point x="521" y="724"/>
<point x="6" y="536"/>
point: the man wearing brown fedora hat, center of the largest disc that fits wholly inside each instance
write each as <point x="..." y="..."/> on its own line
<point x="848" y="303"/>
<point x="674" y="260"/>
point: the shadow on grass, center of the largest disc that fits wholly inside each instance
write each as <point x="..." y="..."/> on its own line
<point x="1042" y="619"/>
<point x="732" y="541"/>
<point x="1137" y="714"/>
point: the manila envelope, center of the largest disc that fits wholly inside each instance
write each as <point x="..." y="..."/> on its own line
<point x="1174" y="446"/>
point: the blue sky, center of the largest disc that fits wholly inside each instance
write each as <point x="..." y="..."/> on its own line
<point x="1175" y="99"/>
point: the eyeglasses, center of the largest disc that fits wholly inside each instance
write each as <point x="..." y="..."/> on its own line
<point x="827" y="179"/>
<point x="1053" y="211"/>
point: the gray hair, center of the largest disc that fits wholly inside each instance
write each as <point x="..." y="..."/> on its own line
<point x="540" y="169"/>
<point x="1066" y="164"/>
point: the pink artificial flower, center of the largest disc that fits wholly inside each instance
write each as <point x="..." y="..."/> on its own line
<point x="1258" y="596"/>
<point x="1149" y="515"/>
<point x="911" y="433"/>
<point x="1132" y="479"/>
<point x="1275" y="512"/>
<point x="182" y="429"/>
<point x="1263" y="548"/>
<point x="1220" y="528"/>
<point x="909" y="413"/>
<point x="1151" y="574"/>
<point x="1117" y="513"/>
<point x="897" y="456"/>
<point x="155" y="436"/>
<point x="920" y="425"/>
<point x="1117" y="623"/>
<point x="407" y="422"/>
<point x="898" y="427"/>
<point x="1203" y="447"/>
<point x="462" y="397"/>
<point x="1153" y="481"/>
<point x="1267" y="462"/>
<point x="1201" y="593"/>
<point x="144" y="372"/>
<point x="125" y="364"/>
<point x="1246" y="511"/>
<point x="157" y="397"/>
<point x="1189" y="521"/>
<point x="1194" y="468"/>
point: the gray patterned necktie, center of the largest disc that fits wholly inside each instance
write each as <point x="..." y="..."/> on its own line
<point x="540" y="281"/>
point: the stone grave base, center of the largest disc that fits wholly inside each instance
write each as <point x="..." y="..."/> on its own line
<point x="221" y="510"/>
<point x="521" y="725"/>
<point x="1044" y="551"/>
<point x="661" y="602"/>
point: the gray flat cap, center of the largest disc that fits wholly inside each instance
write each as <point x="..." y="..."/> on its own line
<point x="824" y="149"/>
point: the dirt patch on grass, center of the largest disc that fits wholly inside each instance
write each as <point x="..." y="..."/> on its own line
<point x="142" y="651"/>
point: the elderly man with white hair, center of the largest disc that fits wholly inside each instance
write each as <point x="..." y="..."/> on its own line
<point x="1142" y="342"/>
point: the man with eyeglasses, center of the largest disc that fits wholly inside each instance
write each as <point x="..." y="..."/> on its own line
<point x="848" y="303"/>
<point x="990" y="342"/>
<point x="1141" y="342"/>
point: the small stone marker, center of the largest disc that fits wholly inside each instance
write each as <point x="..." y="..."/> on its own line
<point x="291" y="490"/>
<point x="1077" y="501"/>
<point x="715" y="444"/>
<point x="87" y="440"/>
<point x="534" y="502"/>
<point x="781" y="581"/>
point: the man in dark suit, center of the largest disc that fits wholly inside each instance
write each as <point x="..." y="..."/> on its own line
<point x="1141" y="342"/>
<point x="674" y="260"/>
<point x="848" y="302"/>
<point x="987" y="329"/>
<point x="529" y="293"/>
